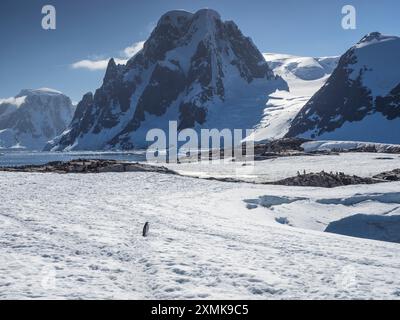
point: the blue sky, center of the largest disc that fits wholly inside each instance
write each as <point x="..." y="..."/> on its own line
<point x="31" y="57"/>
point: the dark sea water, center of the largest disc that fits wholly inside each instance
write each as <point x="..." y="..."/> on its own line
<point x="20" y="158"/>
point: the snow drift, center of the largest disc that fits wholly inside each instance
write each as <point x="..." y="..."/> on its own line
<point x="374" y="227"/>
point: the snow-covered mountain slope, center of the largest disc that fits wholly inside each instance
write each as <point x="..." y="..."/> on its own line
<point x="88" y="243"/>
<point x="33" y="117"/>
<point x="361" y="100"/>
<point x="304" y="76"/>
<point x="194" y="68"/>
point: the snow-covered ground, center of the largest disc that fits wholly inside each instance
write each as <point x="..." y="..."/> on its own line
<point x="79" y="236"/>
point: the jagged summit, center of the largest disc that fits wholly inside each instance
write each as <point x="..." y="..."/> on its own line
<point x="178" y="18"/>
<point x="195" y="68"/>
<point x="175" y="17"/>
<point x="111" y="71"/>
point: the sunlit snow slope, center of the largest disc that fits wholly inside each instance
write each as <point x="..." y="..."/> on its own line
<point x="304" y="76"/>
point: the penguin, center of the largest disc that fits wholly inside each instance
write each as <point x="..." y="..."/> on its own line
<point x="146" y="229"/>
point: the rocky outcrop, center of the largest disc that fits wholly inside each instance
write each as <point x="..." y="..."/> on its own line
<point x="284" y="145"/>
<point x="389" y="106"/>
<point x="393" y="175"/>
<point x="325" y="180"/>
<point x="89" y="166"/>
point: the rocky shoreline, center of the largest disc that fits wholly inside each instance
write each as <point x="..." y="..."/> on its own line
<point x="89" y="166"/>
<point x="290" y="147"/>
<point x="393" y="175"/>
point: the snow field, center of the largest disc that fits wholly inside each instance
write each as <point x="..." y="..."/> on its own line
<point x="79" y="237"/>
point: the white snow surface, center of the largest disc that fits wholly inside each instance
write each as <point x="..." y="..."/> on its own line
<point x="79" y="237"/>
<point x="373" y="128"/>
<point x="379" y="58"/>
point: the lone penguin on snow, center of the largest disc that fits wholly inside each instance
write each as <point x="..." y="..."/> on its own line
<point x="146" y="229"/>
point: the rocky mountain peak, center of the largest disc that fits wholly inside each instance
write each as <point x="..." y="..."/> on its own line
<point x="191" y="65"/>
<point x="176" y="18"/>
<point x="111" y="71"/>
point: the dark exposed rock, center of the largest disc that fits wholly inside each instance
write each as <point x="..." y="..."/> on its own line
<point x="376" y="148"/>
<point x="389" y="106"/>
<point x="89" y="166"/>
<point x="190" y="114"/>
<point x="393" y="175"/>
<point x="280" y="146"/>
<point x="325" y="180"/>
